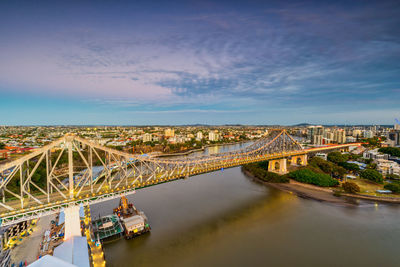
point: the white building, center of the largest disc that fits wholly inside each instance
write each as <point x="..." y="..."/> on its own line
<point x="147" y="138"/>
<point x="199" y="135"/>
<point x="368" y="134"/>
<point x="375" y="155"/>
<point x="339" y="136"/>
<point x="351" y="139"/>
<point x="317" y="139"/>
<point x="169" y="132"/>
<point x="213" y="136"/>
<point x="322" y="156"/>
<point x="388" y="167"/>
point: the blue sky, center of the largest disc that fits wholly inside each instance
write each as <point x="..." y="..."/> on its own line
<point x="212" y="62"/>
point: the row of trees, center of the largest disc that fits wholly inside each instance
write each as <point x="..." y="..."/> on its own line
<point x="393" y="151"/>
<point x="310" y="177"/>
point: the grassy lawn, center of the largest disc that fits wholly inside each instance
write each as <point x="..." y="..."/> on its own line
<point x="369" y="188"/>
<point x="366" y="186"/>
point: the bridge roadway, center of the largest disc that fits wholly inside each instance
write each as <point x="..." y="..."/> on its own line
<point x="100" y="193"/>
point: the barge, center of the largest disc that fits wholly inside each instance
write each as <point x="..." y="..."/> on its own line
<point x="107" y="228"/>
<point x="134" y="221"/>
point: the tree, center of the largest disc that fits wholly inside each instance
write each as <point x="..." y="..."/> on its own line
<point x="2" y="145"/>
<point x="372" y="175"/>
<point x="393" y="176"/>
<point x="337" y="157"/>
<point x="393" y="151"/>
<point x="368" y="161"/>
<point x="371" y="142"/>
<point x="350" y="166"/>
<point x="319" y="165"/>
<point x="350" y="187"/>
<point x="372" y="166"/>
<point x="394" y="187"/>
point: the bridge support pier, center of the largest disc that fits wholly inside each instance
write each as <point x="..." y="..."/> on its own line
<point x="299" y="160"/>
<point x="72" y="222"/>
<point x="278" y="166"/>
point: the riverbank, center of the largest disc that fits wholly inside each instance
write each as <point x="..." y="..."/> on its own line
<point x="293" y="187"/>
<point x="320" y="193"/>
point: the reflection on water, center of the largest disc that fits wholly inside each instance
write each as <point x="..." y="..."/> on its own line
<point x="223" y="218"/>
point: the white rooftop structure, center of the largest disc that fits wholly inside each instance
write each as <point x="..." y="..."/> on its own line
<point x="134" y="222"/>
<point x="48" y="260"/>
<point x="73" y="251"/>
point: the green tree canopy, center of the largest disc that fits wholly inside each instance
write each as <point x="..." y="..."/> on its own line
<point x="310" y="177"/>
<point x="372" y="175"/>
<point x="392" y="176"/>
<point x="2" y="145"/>
<point x="394" y="187"/>
<point x="350" y="166"/>
<point x="337" y="157"/>
<point x="320" y="165"/>
<point x="393" y="151"/>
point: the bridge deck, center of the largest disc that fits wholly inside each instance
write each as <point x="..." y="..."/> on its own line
<point x="100" y="192"/>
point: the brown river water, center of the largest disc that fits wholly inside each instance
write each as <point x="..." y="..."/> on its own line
<point x="225" y="219"/>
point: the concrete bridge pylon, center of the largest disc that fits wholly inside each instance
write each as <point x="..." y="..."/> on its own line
<point x="278" y="166"/>
<point x="299" y="160"/>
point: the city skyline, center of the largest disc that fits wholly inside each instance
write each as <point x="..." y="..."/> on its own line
<point x="214" y="62"/>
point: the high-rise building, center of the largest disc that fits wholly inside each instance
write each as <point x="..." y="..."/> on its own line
<point x="339" y="136"/>
<point x="315" y="131"/>
<point x="393" y="138"/>
<point x="357" y="133"/>
<point x="318" y="140"/>
<point x="328" y="137"/>
<point x="368" y="134"/>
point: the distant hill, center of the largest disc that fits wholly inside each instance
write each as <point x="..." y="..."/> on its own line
<point x="302" y="124"/>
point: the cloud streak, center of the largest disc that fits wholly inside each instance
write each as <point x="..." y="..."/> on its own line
<point x="242" y="55"/>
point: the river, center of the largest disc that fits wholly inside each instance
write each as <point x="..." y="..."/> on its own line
<point x="225" y="219"/>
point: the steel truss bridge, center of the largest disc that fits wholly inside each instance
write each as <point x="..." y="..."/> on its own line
<point x="73" y="171"/>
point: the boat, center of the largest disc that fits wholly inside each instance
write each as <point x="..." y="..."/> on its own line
<point x="134" y="222"/>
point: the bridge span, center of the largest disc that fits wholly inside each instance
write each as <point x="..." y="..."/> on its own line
<point x="66" y="173"/>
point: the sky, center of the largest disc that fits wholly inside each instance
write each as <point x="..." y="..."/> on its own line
<point x="199" y="62"/>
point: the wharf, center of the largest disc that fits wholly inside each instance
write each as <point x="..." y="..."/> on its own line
<point x="95" y="248"/>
